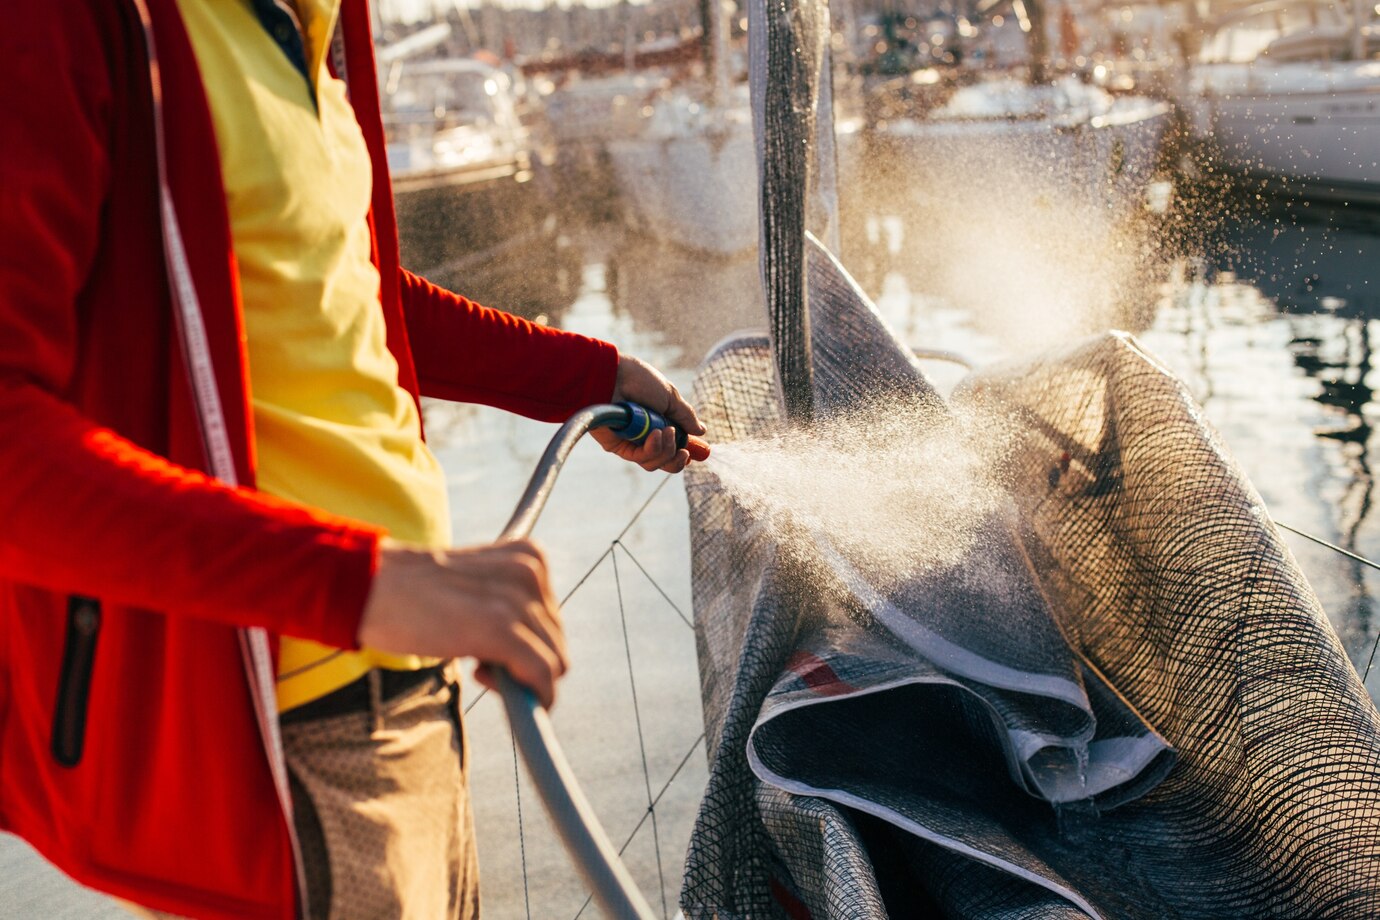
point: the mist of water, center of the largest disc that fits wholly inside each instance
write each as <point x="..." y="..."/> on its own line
<point x="1033" y="256"/>
<point x="896" y="489"/>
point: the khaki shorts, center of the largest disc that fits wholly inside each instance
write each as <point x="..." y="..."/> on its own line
<point x="381" y="800"/>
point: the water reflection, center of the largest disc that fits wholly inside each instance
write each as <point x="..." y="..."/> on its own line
<point x="1305" y="258"/>
<point x="1275" y="312"/>
<point x="691" y="301"/>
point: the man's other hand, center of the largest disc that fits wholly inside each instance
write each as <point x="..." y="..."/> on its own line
<point x="641" y="383"/>
<point x="493" y="603"/>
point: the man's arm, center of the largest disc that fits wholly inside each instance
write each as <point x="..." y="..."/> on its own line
<point x="471" y="353"/>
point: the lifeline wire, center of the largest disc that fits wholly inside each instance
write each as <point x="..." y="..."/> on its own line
<point x="600" y="561"/>
<point x="627" y="552"/>
<point x="522" y="838"/>
<point x="652" y="801"/>
<point x="641" y="742"/>
<point x="650" y="810"/>
<point x="1350" y="555"/>
<point x="1332" y="546"/>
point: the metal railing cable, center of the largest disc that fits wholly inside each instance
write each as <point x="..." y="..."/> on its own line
<point x="615" y="544"/>
<point x="610" y="555"/>
<point x="522" y="837"/>
<point x="641" y="738"/>
<point x="1332" y="546"/>
<point x="1353" y="557"/>
<point x="594" y="567"/>
<point x="683" y="618"/>
<point x="653" y="800"/>
<point x="632" y="835"/>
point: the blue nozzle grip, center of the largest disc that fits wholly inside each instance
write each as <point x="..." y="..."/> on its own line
<point x="641" y="423"/>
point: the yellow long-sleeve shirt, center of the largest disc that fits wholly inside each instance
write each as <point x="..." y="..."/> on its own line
<point x="333" y="428"/>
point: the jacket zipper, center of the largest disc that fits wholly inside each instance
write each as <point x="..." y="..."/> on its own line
<point x="74" y="681"/>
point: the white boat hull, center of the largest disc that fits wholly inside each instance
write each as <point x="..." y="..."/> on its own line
<point x="1104" y="162"/>
<point x="696" y="190"/>
<point x="1325" y="143"/>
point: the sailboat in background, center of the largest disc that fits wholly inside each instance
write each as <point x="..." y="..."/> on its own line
<point x="689" y="174"/>
<point x="1290" y="92"/>
<point x="1007" y="134"/>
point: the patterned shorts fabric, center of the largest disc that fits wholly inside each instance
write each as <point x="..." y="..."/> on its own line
<point x="382" y="809"/>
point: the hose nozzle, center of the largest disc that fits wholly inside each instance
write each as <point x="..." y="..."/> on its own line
<point x="643" y="421"/>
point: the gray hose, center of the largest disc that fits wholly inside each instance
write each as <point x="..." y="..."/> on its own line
<point x="579" y="829"/>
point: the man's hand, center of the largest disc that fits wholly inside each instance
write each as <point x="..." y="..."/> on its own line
<point x="493" y="603"/>
<point x="641" y="383"/>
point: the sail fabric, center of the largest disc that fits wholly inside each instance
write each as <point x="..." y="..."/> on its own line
<point x="1104" y="690"/>
<point x="1122" y="700"/>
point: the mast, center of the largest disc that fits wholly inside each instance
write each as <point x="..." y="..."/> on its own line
<point x="1358" y="35"/>
<point x="1031" y="15"/>
<point x="714" y="48"/>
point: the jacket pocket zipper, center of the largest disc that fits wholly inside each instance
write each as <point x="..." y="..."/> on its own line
<point x="74" y="683"/>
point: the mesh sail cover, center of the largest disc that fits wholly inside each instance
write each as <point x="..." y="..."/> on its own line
<point x="1124" y="701"/>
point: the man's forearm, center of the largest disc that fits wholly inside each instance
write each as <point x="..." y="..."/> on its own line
<point x="85" y="511"/>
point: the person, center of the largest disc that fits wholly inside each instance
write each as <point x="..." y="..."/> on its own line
<point x="212" y="471"/>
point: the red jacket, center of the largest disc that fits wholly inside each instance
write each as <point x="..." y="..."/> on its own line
<point x="131" y="750"/>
